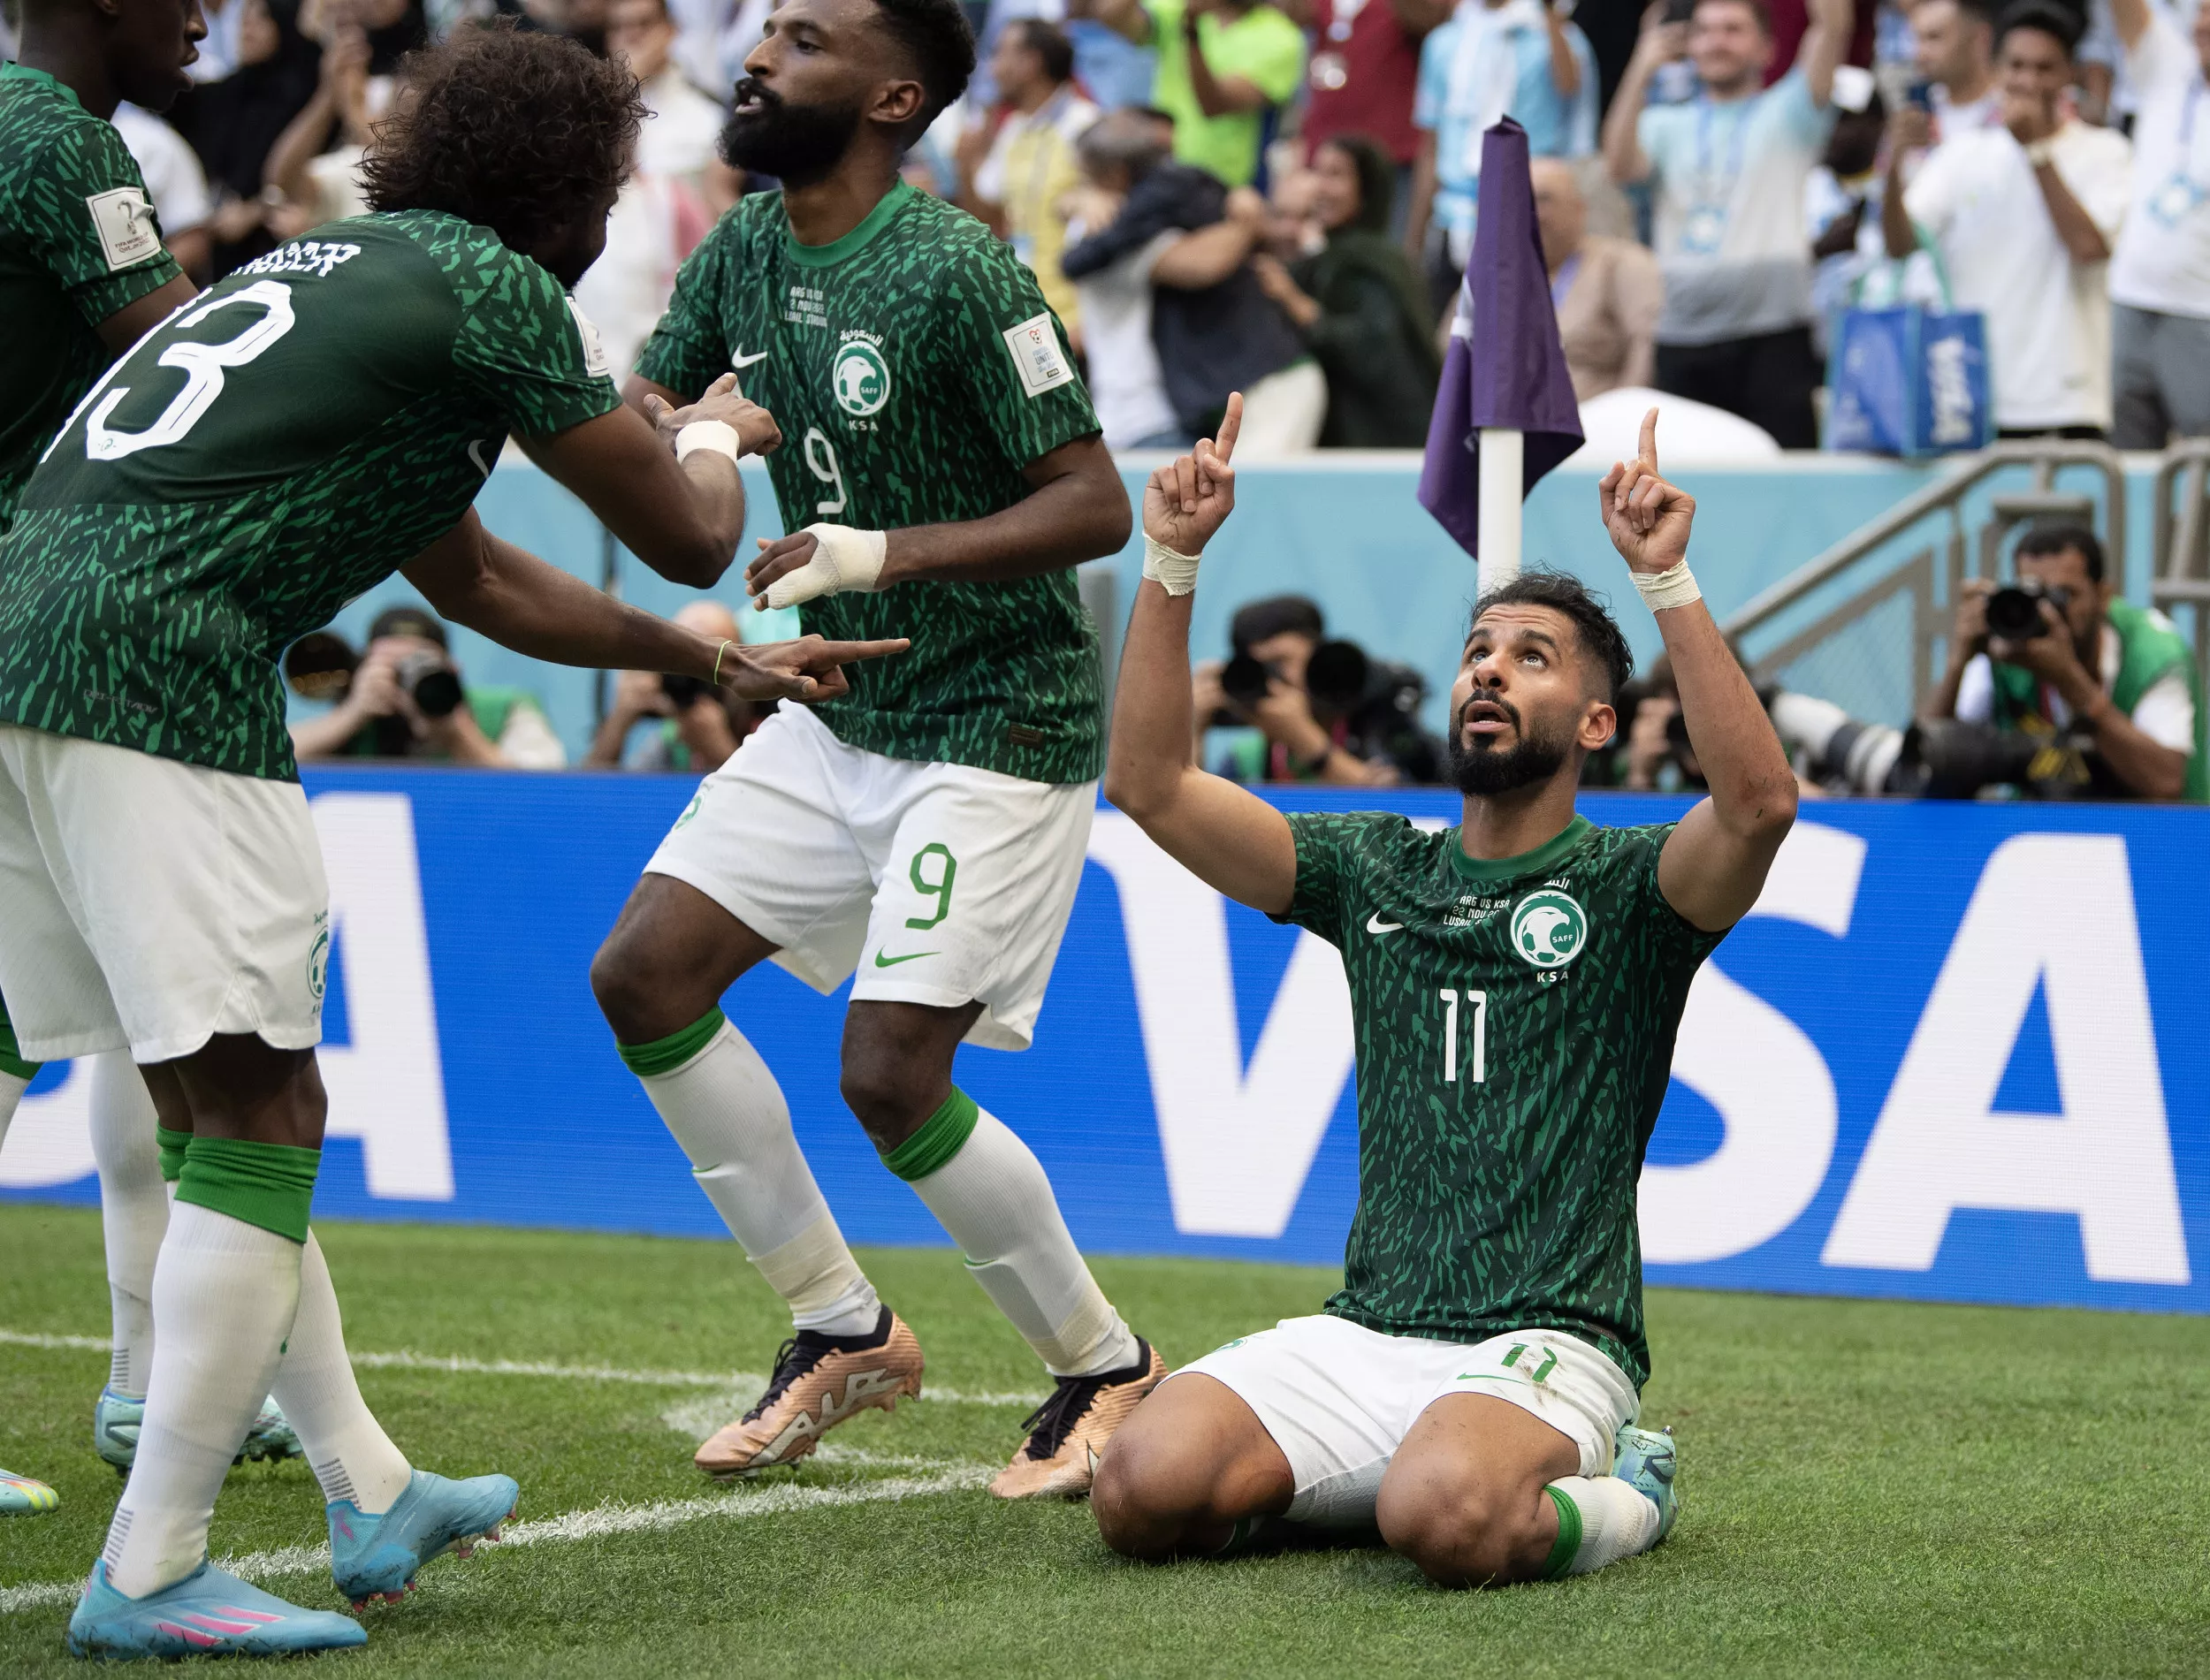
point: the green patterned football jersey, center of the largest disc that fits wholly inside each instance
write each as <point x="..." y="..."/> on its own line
<point x="1514" y="1022"/>
<point x="915" y="372"/>
<point x="77" y="241"/>
<point x="308" y="426"/>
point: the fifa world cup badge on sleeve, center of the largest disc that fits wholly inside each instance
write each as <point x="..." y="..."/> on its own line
<point x="1035" y="349"/>
<point x="124" y="221"/>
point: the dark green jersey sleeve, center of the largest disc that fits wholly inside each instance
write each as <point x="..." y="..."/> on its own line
<point x="1330" y="851"/>
<point x="1678" y="944"/>
<point x="525" y="348"/>
<point x="94" y="229"/>
<point x="995" y="334"/>
<point x="687" y="351"/>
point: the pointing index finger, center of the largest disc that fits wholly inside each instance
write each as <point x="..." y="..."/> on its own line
<point x="1230" y="424"/>
<point x="1648" y="448"/>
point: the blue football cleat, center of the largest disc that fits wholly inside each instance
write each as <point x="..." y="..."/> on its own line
<point x="20" y="1496"/>
<point x="116" y="1420"/>
<point x="209" y="1613"/>
<point x="376" y="1557"/>
<point x="1644" y="1459"/>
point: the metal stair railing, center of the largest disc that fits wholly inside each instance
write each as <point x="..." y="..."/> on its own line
<point x="2179" y="553"/>
<point x="1955" y="549"/>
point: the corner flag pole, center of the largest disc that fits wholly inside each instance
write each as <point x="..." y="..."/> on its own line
<point x="1505" y="413"/>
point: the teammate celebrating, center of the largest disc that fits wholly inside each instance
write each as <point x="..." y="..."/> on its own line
<point x="322" y="417"/>
<point x="1516" y="982"/>
<point x="84" y="275"/>
<point x="928" y="829"/>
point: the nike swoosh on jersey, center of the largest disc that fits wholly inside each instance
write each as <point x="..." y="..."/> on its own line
<point x="1375" y="924"/>
<point x="474" y="445"/>
<point x="883" y="962"/>
<point x="740" y="360"/>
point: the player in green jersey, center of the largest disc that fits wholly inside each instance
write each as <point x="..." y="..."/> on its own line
<point x="923" y="835"/>
<point x="322" y="417"/>
<point x="1515" y="983"/>
<point x="82" y="274"/>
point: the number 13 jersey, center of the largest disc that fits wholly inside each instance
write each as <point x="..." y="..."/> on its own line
<point x="915" y="373"/>
<point x="1514" y="1021"/>
<point x="283" y="443"/>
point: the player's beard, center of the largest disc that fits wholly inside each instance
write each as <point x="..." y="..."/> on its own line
<point x="1482" y="770"/>
<point x="796" y="144"/>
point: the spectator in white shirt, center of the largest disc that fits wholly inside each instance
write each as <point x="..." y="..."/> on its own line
<point x="1956" y="57"/>
<point x="670" y="199"/>
<point x="2160" y="276"/>
<point x="1727" y="170"/>
<point x="175" y="182"/>
<point x="2023" y="217"/>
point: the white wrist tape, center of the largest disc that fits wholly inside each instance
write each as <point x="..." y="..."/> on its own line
<point x="843" y="558"/>
<point x="1175" y="573"/>
<point x="717" y="435"/>
<point x="1675" y="586"/>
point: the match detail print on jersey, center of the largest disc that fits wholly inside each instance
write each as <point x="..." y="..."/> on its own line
<point x="917" y="375"/>
<point x="1514" y="1033"/>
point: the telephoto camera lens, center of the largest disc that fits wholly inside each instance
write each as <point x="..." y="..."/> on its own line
<point x="1335" y="676"/>
<point x="683" y="692"/>
<point x="1245" y="680"/>
<point x="430" y="683"/>
<point x="2014" y="612"/>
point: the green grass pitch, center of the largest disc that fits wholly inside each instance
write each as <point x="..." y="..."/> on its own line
<point x="1873" y="1489"/>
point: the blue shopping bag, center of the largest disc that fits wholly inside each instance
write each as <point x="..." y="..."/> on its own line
<point x="1910" y="381"/>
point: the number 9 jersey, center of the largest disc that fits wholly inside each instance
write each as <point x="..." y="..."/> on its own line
<point x="283" y="443"/>
<point x="1514" y="1019"/>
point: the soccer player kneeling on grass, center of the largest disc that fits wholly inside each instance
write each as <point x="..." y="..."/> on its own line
<point x="1515" y="983"/>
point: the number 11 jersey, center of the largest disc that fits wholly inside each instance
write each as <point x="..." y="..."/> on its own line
<point x="1514" y="1021"/>
<point x="284" y="442"/>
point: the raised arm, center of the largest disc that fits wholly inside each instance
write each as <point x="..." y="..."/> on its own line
<point x="1714" y="865"/>
<point x="683" y="518"/>
<point x="1217" y="96"/>
<point x="1564" y="69"/>
<point x="471" y="577"/>
<point x="1659" y="43"/>
<point x="2131" y="17"/>
<point x="1825" y="42"/>
<point x="1225" y="835"/>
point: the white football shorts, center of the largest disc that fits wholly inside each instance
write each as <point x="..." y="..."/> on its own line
<point x="1337" y="1399"/>
<point x="154" y="904"/>
<point x="930" y="883"/>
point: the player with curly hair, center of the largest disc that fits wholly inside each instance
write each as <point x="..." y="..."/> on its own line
<point x="319" y="419"/>
<point x="926" y="832"/>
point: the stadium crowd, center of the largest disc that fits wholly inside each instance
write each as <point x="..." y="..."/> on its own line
<point x="1219" y="194"/>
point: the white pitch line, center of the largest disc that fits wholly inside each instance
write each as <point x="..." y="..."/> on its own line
<point x="594" y="1523"/>
<point x="453" y="1364"/>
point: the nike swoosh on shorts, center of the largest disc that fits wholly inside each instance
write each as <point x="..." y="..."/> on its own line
<point x="883" y="962"/>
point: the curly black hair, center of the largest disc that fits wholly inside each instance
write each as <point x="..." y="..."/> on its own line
<point x="521" y="132"/>
<point x="935" y="36"/>
<point x="1563" y="593"/>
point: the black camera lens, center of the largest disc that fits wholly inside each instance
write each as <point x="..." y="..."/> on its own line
<point x="430" y="683"/>
<point x="1335" y="676"/>
<point x="683" y="692"/>
<point x="1245" y="680"/>
<point x="2014" y="612"/>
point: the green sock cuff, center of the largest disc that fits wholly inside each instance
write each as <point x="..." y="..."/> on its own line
<point x="270" y="1185"/>
<point x="664" y="1055"/>
<point x="942" y="1135"/>
<point x="172" y="1145"/>
<point x="12" y="1052"/>
<point x="1561" y="1555"/>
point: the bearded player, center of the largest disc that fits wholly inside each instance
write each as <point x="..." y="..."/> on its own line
<point x="83" y="274"/>
<point x="324" y="416"/>
<point x="1516" y="982"/>
<point x="924" y="834"/>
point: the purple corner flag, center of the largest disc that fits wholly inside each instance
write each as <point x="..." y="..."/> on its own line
<point x="1512" y="372"/>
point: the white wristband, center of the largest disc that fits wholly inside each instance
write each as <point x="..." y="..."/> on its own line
<point x="1175" y="573"/>
<point x="717" y="435"/>
<point x="843" y="558"/>
<point x="1675" y="586"/>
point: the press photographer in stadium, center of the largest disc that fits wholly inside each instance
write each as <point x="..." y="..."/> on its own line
<point x="1323" y="710"/>
<point x="2109" y="688"/>
<point x="405" y="698"/>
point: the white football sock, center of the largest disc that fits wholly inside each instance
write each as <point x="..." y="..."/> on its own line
<point x="133" y="1211"/>
<point x="993" y="1199"/>
<point x="348" y="1449"/>
<point x="224" y="1292"/>
<point x="11" y="1090"/>
<point x="1616" y="1522"/>
<point x="728" y="1114"/>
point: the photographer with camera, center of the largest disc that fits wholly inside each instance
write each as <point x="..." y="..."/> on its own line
<point x="2108" y="687"/>
<point x="1324" y="711"/>
<point x="699" y="727"/>
<point x="404" y="698"/>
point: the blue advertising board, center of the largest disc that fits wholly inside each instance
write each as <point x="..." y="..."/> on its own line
<point x="1954" y="1053"/>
